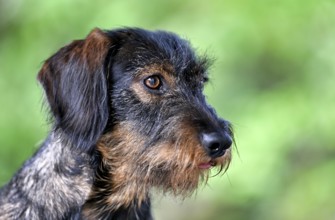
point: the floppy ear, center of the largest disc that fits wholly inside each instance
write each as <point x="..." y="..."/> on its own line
<point x="75" y="85"/>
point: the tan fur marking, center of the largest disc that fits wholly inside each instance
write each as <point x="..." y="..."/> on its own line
<point x="170" y="167"/>
<point x="95" y="47"/>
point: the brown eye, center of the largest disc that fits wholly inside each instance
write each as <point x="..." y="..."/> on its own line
<point x="152" y="82"/>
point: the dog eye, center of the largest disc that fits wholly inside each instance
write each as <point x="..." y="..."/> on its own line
<point x="153" y="82"/>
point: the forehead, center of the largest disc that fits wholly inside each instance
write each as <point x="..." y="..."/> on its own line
<point x="159" y="49"/>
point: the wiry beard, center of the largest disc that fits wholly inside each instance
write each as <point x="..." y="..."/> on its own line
<point x="133" y="170"/>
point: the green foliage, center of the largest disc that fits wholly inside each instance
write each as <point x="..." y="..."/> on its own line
<point x="273" y="78"/>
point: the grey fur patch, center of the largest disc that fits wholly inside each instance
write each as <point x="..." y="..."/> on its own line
<point x="55" y="182"/>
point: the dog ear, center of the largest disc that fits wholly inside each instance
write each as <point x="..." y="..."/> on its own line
<point x="75" y="84"/>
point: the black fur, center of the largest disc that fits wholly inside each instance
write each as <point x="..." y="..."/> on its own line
<point x="77" y="96"/>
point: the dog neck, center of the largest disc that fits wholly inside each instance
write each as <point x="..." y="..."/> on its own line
<point x="116" y="193"/>
<point x="47" y="179"/>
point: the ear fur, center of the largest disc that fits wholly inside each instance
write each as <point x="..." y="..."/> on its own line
<point x="75" y="85"/>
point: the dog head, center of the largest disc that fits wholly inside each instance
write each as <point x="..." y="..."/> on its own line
<point x="137" y="97"/>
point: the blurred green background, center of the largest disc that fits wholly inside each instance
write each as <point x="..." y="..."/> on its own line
<point x="274" y="78"/>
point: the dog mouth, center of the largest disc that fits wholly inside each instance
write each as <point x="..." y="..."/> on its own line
<point x="207" y="165"/>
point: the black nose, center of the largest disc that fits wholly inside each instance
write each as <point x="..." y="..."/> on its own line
<point x="216" y="144"/>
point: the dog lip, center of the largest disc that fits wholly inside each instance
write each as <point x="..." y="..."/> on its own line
<point x="206" y="165"/>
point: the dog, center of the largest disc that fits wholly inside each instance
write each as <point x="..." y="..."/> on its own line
<point x="129" y="115"/>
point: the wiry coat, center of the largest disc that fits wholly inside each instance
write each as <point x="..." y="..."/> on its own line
<point x="115" y="135"/>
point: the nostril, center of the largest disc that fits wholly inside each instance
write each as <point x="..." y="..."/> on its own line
<point x="215" y="146"/>
<point x="215" y="143"/>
